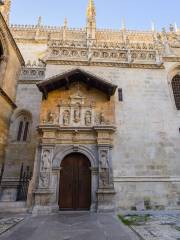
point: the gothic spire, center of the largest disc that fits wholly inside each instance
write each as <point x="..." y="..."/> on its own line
<point x="91" y="20"/>
<point x="91" y="11"/>
<point x="5" y="9"/>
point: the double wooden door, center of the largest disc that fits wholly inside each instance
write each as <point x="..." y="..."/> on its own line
<point x="75" y="183"/>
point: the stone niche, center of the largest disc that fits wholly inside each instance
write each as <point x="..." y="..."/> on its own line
<point x="82" y="120"/>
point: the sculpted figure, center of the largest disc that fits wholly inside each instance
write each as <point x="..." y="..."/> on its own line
<point x="66" y="118"/>
<point x="77" y="114"/>
<point x="43" y="180"/>
<point x="50" y="117"/>
<point x="102" y="118"/>
<point x="104" y="160"/>
<point x="88" y="118"/>
<point x="104" y="178"/>
<point x="46" y="160"/>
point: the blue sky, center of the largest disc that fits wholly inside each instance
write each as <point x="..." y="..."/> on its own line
<point x="137" y="13"/>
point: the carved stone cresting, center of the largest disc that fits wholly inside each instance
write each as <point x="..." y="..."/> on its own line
<point x="33" y="71"/>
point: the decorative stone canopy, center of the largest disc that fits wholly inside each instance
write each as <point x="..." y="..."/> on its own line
<point x="64" y="80"/>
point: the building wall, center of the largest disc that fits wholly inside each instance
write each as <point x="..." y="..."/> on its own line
<point x="9" y="73"/>
<point x="146" y="149"/>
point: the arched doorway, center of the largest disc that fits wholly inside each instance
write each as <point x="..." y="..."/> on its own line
<point x="75" y="183"/>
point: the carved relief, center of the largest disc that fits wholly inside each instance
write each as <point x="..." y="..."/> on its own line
<point x="50" y="117"/>
<point x="66" y="118"/>
<point x="44" y="180"/>
<point x="104" y="161"/>
<point x="77" y="113"/>
<point x="88" y="118"/>
<point x="46" y="160"/>
<point x="104" y="178"/>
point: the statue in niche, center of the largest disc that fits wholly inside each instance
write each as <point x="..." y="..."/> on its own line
<point x="77" y="113"/>
<point x="104" y="161"/>
<point x="102" y="119"/>
<point x="50" y="117"/>
<point x="44" y="180"/>
<point x="66" y="118"/>
<point x="46" y="160"/>
<point x="88" y="118"/>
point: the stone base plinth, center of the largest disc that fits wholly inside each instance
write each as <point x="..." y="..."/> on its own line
<point x="105" y="198"/>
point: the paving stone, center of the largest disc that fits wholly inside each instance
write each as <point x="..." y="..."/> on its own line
<point x="160" y="227"/>
<point x="77" y="226"/>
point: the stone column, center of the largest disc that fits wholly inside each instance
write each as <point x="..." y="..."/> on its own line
<point x="43" y="193"/>
<point x="105" y="193"/>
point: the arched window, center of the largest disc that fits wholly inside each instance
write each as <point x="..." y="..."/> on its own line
<point x="23" y="128"/>
<point x="176" y="90"/>
<point x="20" y="130"/>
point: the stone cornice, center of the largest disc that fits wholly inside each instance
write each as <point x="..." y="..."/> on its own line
<point x="4" y="26"/>
<point x="106" y="64"/>
<point x="7" y="98"/>
<point x="171" y="59"/>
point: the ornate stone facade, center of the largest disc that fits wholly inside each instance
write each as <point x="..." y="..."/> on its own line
<point x="68" y="88"/>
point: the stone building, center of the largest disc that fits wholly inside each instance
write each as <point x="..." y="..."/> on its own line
<point x="10" y="66"/>
<point x="97" y="118"/>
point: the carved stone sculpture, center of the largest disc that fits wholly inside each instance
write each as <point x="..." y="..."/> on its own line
<point x="46" y="160"/>
<point x="88" y="118"/>
<point x="104" y="162"/>
<point x="104" y="178"/>
<point x="102" y="119"/>
<point x="77" y="114"/>
<point x="50" y="117"/>
<point x="66" y="118"/>
<point x="44" y="180"/>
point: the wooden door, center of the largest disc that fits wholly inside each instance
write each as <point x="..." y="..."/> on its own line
<point x="75" y="183"/>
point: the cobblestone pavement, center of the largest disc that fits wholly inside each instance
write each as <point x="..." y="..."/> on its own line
<point x="8" y="222"/>
<point x="159" y="227"/>
<point x="70" y="226"/>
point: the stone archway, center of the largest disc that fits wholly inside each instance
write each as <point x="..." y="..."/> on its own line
<point x="75" y="183"/>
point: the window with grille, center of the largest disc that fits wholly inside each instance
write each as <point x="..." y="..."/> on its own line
<point x="176" y="90"/>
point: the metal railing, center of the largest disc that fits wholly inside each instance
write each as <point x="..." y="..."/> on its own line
<point x="24" y="179"/>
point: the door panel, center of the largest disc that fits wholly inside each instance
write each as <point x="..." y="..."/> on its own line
<point x="75" y="183"/>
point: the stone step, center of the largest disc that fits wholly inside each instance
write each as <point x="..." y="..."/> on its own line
<point x="13" y="207"/>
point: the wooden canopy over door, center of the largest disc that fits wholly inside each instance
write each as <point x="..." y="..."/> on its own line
<point x="75" y="183"/>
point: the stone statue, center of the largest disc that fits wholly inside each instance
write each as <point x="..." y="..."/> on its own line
<point x="104" y="162"/>
<point x="102" y="118"/>
<point x="77" y="114"/>
<point x="50" y="117"/>
<point x="46" y="160"/>
<point x="88" y="118"/>
<point x="66" y="118"/>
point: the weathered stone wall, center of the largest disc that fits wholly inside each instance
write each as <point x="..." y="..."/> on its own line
<point x="29" y="99"/>
<point x="10" y="66"/>
<point x="146" y="145"/>
<point x="5" y="115"/>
